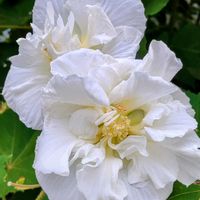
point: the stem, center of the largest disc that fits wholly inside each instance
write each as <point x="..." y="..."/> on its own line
<point x="41" y="195"/>
<point x="15" y="27"/>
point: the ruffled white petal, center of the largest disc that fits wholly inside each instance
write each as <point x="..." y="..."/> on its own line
<point x="124" y="68"/>
<point x="23" y="93"/>
<point x="161" y="122"/>
<point x="25" y="80"/>
<point x="59" y="37"/>
<point x="60" y="187"/>
<point x="29" y="50"/>
<point x="119" y="26"/>
<point x="160" y="61"/>
<point x="54" y="147"/>
<point x="94" y="157"/>
<point x="76" y="90"/>
<point x="140" y="89"/>
<point x="160" y="166"/>
<point x="102" y="182"/>
<point x="126" y="13"/>
<point x="80" y="11"/>
<point x="187" y="150"/>
<point x="125" y="44"/>
<point x="106" y="76"/>
<point x="185" y="100"/>
<point x="82" y="123"/>
<point x="121" y="12"/>
<point x="130" y="145"/>
<point x="41" y="11"/>
<point x="58" y="147"/>
<point x="144" y="190"/>
<point x="147" y="191"/>
<point x="79" y="62"/>
<point x="155" y="112"/>
<point x="107" y="71"/>
<point x="100" y="28"/>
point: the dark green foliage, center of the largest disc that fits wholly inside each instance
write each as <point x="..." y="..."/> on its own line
<point x="154" y="6"/>
<point x="195" y="101"/>
<point x="181" y="192"/>
<point x="16" y="152"/>
<point x="15" y="13"/>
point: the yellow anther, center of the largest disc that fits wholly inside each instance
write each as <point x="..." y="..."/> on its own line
<point x="115" y="124"/>
<point x="120" y="108"/>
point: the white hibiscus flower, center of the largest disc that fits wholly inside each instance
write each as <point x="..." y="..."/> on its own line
<point x="113" y="26"/>
<point x="116" y="129"/>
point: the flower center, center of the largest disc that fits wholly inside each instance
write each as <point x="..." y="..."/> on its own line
<point x="117" y="124"/>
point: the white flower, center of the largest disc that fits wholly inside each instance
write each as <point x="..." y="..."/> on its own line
<point x="113" y="26"/>
<point x="116" y="129"/>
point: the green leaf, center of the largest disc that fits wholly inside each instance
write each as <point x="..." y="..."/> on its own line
<point x="3" y="160"/>
<point x="15" y="13"/>
<point x="183" y="78"/>
<point x="143" y="49"/>
<point x="181" y="192"/>
<point x="186" y="43"/>
<point x="195" y="101"/>
<point x="6" y="50"/>
<point x="17" y="145"/>
<point x="46" y="198"/>
<point x="154" y="6"/>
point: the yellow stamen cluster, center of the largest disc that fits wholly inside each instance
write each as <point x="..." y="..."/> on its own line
<point x="121" y="125"/>
<point x="117" y="130"/>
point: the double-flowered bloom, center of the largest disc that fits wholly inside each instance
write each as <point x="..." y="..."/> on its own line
<point x="113" y="127"/>
<point x="114" y="27"/>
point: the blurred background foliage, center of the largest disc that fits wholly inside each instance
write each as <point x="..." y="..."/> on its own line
<point x="176" y="22"/>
